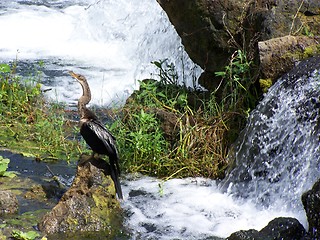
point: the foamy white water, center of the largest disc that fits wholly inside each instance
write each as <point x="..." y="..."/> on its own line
<point x="189" y="209"/>
<point x="277" y="158"/>
<point x="111" y="42"/>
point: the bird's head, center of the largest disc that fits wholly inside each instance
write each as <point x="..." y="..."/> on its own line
<point x="78" y="77"/>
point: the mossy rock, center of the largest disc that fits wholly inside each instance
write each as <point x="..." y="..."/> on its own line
<point x="280" y="55"/>
<point x="89" y="205"/>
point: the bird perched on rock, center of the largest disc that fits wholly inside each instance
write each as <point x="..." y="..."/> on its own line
<point x="96" y="135"/>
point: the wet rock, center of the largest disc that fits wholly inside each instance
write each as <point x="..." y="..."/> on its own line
<point x="202" y="27"/>
<point x="283" y="228"/>
<point x="278" y="228"/>
<point x="251" y="234"/>
<point x="212" y="30"/>
<point x="8" y="202"/>
<point x="311" y="203"/>
<point x="89" y="205"/>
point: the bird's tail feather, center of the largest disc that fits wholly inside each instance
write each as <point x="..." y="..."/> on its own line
<point x="114" y="167"/>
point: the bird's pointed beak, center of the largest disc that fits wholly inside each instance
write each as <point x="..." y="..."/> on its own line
<point x="73" y="74"/>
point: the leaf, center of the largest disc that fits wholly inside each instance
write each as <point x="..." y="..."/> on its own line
<point x="220" y="74"/>
<point x="3" y="165"/>
<point x="9" y="174"/>
<point x="157" y="64"/>
<point x="28" y="155"/>
<point x="31" y="235"/>
<point x="5" y="68"/>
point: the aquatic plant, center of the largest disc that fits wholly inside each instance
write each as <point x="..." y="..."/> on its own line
<point x="3" y="165"/>
<point x="30" y="235"/>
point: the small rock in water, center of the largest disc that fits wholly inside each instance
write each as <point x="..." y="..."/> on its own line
<point x="8" y="202"/>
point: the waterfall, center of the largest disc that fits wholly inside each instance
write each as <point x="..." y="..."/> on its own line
<point x="277" y="159"/>
<point x="111" y="42"/>
<point x="278" y="153"/>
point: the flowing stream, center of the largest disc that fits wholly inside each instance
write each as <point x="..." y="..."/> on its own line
<point x="277" y="159"/>
<point x="113" y="43"/>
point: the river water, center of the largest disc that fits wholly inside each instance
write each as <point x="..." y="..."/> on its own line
<point x="277" y="158"/>
<point x="112" y="43"/>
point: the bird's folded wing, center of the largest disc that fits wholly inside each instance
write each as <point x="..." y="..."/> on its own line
<point x="104" y="135"/>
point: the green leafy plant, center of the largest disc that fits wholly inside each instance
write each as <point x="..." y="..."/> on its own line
<point x="167" y="130"/>
<point x="4" y="162"/>
<point x="142" y="143"/>
<point x="30" y="235"/>
<point x="4" y="68"/>
<point x="236" y="83"/>
<point x="167" y="72"/>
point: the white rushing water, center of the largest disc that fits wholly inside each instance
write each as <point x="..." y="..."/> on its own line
<point x="111" y="42"/>
<point x="189" y="209"/>
<point x="277" y="157"/>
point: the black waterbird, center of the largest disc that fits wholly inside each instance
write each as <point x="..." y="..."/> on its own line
<point x="96" y="135"/>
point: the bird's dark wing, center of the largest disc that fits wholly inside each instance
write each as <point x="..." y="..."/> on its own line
<point x="104" y="135"/>
<point x="109" y="142"/>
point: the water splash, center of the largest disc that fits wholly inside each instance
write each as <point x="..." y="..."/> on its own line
<point x="277" y="159"/>
<point x="187" y="209"/>
<point x="278" y="153"/>
<point x="111" y="42"/>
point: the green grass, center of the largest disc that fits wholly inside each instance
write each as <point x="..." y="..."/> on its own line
<point x="166" y="130"/>
<point x="28" y="124"/>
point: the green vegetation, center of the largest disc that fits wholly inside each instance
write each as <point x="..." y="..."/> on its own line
<point x="265" y="84"/>
<point x="19" y="235"/>
<point x="164" y="129"/>
<point x="27" y="123"/>
<point x="168" y="131"/>
<point x="3" y="165"/>
<point x="237" y="83"/>
<point x="4" y="162"/>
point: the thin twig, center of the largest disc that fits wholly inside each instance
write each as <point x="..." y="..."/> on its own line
<point x="295" y="16"/>
<point x="56" y="178"/>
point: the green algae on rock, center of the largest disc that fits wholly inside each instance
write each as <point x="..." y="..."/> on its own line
<point x="89" y="205"/>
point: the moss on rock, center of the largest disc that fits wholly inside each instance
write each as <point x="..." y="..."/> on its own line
<point x="89" y="205"/>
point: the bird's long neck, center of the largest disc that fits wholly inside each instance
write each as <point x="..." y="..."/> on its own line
<point x="84" y="100"/>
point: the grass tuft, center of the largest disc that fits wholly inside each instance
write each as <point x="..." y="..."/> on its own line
<point x="30" y="125"/>
<point x="167" y="130"/>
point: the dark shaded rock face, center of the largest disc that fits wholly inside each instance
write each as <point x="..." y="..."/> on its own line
<point x="8" y="202"/>
<point x="89" y="205"/>
<point x="201" y="26"/>
<point x="311" y="203"/>
<point x="279" y="228"/>
<point x="211" y="30"/>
